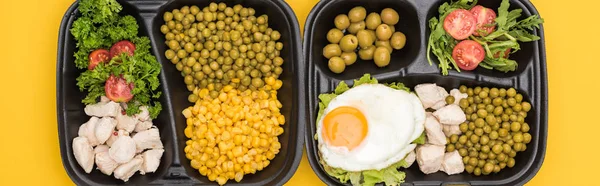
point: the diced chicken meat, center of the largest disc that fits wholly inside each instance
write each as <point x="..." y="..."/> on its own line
<point x="433" y="129"/>
<point x="430" y="157"/>
<point x="148" y="139"/>
<point x="84" y="153"/>
<point x="457" y="95"/>
<point x="430" y="94"/>
<point x="88" y="130"/>
<point x="105" y="163"/>
<point x="144" y="114"/>
<point x="123" y="149"/>
<point x="450" y="115"/>
<point x="104" y="99"/>
<point x="410" y="158"/>
<point x="143" y="125"/>
<point x="439" y="105"/>
<point x="125" y="122"/>
<point x="151" y="160"/>
<point x="449" y="130"/>
<point x="453" y="163"/>
<point x="101" y="148"/>
<point x="103" y="109"/>
<point x="104" y="128"/>
<point x="113" y="137"/>
<point x="126" y="170"/>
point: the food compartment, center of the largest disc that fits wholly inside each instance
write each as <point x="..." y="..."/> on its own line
<point x="71" y="111"/>
<point x="282" y="19"/>
<point x="527" y="162"/>
<point x="322" y="21"/>
<point x="524" y="57"/>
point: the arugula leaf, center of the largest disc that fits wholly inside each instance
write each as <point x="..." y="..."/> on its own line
<point x="531" y="22"/>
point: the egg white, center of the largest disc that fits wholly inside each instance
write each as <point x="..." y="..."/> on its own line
<point x="395" y="118"/>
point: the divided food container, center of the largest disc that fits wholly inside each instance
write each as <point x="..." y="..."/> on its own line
<point x="174" y="167"/>
<point x="410" y="66"/>
<point x="305" y="76"/>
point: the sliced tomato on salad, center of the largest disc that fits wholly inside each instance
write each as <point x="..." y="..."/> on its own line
<point x="96" y="57"/>
<point x="117" y="89"/>
<point x="460" y="24"/>
<point x="486" y="20"/>
<point x="122" y="47"/>
<point x="468" y="54"/>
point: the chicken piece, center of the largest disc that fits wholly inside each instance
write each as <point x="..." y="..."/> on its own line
<point x="101" y="148"/>
<point x="430" y="157"/>
<point x="449" y="130"/>
<point x="452" y="163"/>
<point x="433" y="129"/>
<point x="125" y="122"/>
<point x="104" y="128"/>
<point x="115" y="134"/>
<point x="84" y="153"/>
<point x="125" y="171"/>
<point x="122" y="150"/>
<point x="143" y="125"/>
<point x="430" y="94"/>
<point x="450" y="115"/>
<point x="410" y="159"/>
<point x="439" y="105"/>
<point x="148" y="139"/>
<point x="88" y="130"/>
<point x="144" y="115"/>
<point x="151" y="160"/>
<point x="105" y="163"/>
<point x="104" y="99"/>
<point x="457" y="95"/>
<point x="103" y="109"/>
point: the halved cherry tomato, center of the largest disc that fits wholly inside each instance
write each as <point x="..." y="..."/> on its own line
<point x="486" y="20"/>
<point x="468" y="54"/>
<point x="506" y="53"/>
<point x="122" y="47"/>
<point x="96" y="57"/>
<point x="117" y="89"/>
<point x="460" y="24"/>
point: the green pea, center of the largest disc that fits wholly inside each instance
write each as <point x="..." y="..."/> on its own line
<point x="477" y="90"/>
<point x="472" y="126"/>
<point x="450" y="148"/>
<point x="481" y="113"/>
<point x="483" y="94"/>
<point x="463" y="152"/>
<point x="462" y="139"/>
<point x="479" y="122"/>
<point x="478" y="132"/>
<point x="463" y="127"/>
<point x="474" y="138"/>
<point x="526" y="106"/>
<point x="515" y="126"/>
<point x="193" y="98"/>
<point x="506" y="148"/>
<point x="494" y="135"/>
<point x="487" y="129"/>
<point x="510" y="163"/>
<point x="480" y="163"/>
<point x="484" y="140"/>
<point x="501" y="157"/>
<point x="502" y="132"/>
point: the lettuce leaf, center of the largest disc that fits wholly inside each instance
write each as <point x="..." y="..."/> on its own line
<point x="420" y="140"/>
<point x="365" y="79"/>
<point x="398" y="86"/>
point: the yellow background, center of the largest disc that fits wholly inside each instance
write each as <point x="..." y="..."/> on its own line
<point x="29" y="149"/>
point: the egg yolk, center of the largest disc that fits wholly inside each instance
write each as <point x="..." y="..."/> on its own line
<point x="345" y="127"/>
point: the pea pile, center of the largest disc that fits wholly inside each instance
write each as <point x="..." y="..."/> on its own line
<point x="373" y="36"/>
<point x="230" y="61"/>
<point x="222" y="45"/>
<point x="495" y="129"/>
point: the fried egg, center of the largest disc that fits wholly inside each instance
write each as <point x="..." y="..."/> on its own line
<point x="370" y="126"/>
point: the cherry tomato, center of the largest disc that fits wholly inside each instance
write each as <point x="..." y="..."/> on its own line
<point x="468" y="54"/>
<point x="122" y="47"/>
<point x="117" y="89"/>
<point x="460" y="24"/>
<point x="506" y="53"/>
<point x="486" y="20"/>
<point x="96" y="57"/>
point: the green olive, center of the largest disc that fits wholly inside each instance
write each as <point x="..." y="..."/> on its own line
<point x="357" y="14"/>
<point x="342" y="22"/>
<point x="349" y="57"/>
<point x="349" y="43"/>
<point x="366" y="53"/>
<point x="383" y="32"/>
<point x="389" y="16"/>
<point x="332" y="50"/>
<point x="364" y="39"/>
<point x="382" y="57"/>
<point x="336" y="65"/>
<point x="373" y="20"/>
<point x="385" y="44"/>
<point x="355" y="27"/>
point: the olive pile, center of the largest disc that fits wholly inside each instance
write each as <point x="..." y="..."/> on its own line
<point x="373" y="36"/>
<point x="495" y="129"/>
<point x="222" y="45"/>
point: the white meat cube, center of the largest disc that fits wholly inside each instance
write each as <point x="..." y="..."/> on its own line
<point x="84" y="153"/>
<point x="430" y="157"/>
<point x="88" y="130"/>
<point x="144" y="115"/>
<point x="105" y="163"/>
<point x="125" y="171"/>
<point x="449" y="130"/>
<point x="122" y="150"/>
<point x="113" y="137"/>
<point x="410" y="159"/>
<point x="103" y="109"/>
<point x="439" y="105"/>
<point x="104" y="129"/>
<point x="450" y="115"/>
<point x="143" y="125"/>
<point x="453" y="163"/>
<point x="125" y="122"/>
<point x="433" y="129"/>
<point x="151" y="160"/>
<point x="148" y="139"/>
<point x="104" y="99"/>
<point x="101" y="148"/>
<point x="457" y="95"/>
<point x="430" y="94"/>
